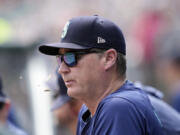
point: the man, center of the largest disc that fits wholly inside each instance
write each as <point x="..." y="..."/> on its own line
<point x="66" y="109"/>
<point x="91" y="58"/>
<point x="6" y="126"/>
<point x="168" y="65"/>
<point x="169" y="117"/>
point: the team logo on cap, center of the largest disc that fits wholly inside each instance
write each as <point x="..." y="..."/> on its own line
<point x="64" y="32"/>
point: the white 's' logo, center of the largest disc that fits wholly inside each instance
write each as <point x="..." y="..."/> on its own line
<point x="64" y="32"/>
<point x="100" y="40"/>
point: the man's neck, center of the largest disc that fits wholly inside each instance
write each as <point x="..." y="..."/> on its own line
<point x="112" y="87"/>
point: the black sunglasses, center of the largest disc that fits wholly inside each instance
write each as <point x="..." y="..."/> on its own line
<point x="71" y="58"/>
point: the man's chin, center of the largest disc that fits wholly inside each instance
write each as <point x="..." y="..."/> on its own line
<point x="72" y="92"/>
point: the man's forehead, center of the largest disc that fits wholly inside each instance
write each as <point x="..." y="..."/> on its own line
<point x="63" y="50"/>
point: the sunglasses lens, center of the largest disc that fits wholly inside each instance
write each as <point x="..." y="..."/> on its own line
<point x="69" y="59"/>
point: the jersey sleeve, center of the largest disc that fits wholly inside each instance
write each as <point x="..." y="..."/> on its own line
<point x="119" y="117"/>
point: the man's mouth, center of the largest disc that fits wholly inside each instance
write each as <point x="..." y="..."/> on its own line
<point x="69" y="83"/>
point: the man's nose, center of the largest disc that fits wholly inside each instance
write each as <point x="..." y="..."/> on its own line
<point x="63" y="68"/>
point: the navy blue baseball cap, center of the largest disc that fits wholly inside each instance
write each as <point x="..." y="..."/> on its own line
<point x="3" y="97"/>
<point x="62" y="96"/>
<point x="86" y="32"/>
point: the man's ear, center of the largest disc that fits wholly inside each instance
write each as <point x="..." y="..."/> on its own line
<point x="110" y="58"/>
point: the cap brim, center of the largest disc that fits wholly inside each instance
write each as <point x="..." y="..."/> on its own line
<point x="59" y="102"/>
<point x="52" y="49"/>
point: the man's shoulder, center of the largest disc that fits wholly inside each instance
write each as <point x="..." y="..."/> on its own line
<point x="128" y="94"/>
<point x="127" y="99"/>
<point x="117" y="105"/>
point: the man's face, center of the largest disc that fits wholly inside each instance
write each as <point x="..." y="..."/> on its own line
<point x="82" y="79"/>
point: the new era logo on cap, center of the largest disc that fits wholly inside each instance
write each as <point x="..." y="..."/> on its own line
<point x="87" y="32"/>
<point x="100" y="40"/>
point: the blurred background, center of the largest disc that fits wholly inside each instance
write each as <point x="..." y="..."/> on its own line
<point x="151" y="30"/>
